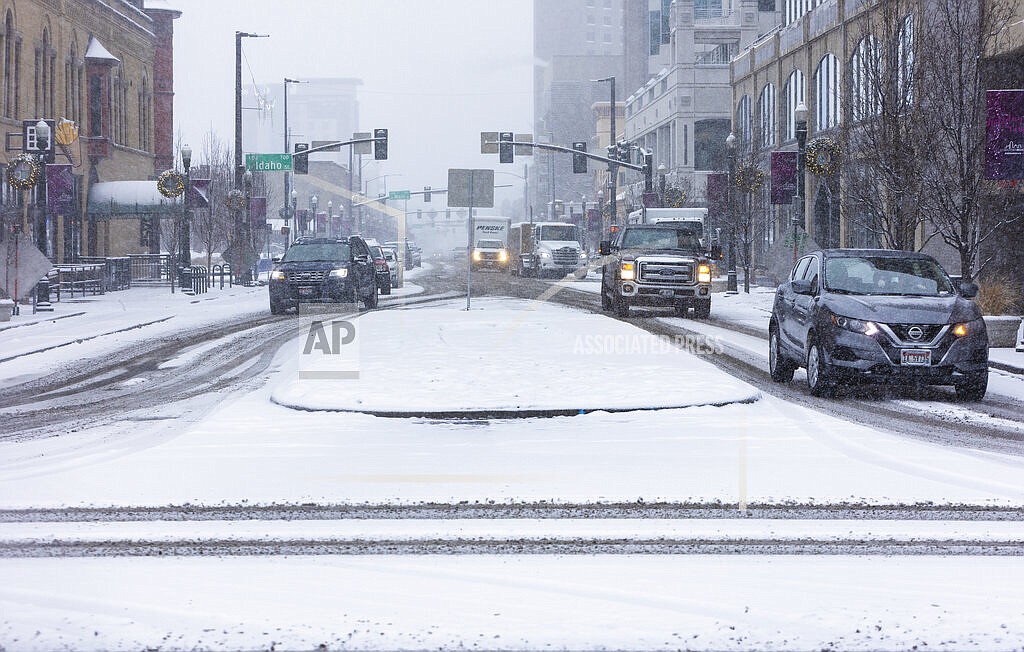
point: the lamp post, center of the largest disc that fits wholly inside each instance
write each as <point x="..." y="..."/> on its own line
<point x="185" y="244"/>
<point x="330" y="217"/>
<point x="313" y="201"/>
<point x="730" y="145"/>
<point x="287" y="175"/>
<point x="294" y="212"/>
<point x="238" y="103"/>
<point x="799" y="220"/>
<point x="247" y="225"/>
<point x="612" y="166"/>
<point x="662" y="182"/>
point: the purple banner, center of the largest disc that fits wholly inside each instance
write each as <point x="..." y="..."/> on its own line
<point x="651" y="200"/>
<point x="60" y="189"/>
<point x="593" y="219"/>
<point x="199" y="197"/>
<point x="718" y="187"/>
<point x="257" y="209"/>
<point x="784" y="177"/>
<point x="321" y="222"/>
<point x="1004" y="135"/>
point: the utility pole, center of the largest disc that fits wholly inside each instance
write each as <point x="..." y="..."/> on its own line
<point x="238" y="104"/>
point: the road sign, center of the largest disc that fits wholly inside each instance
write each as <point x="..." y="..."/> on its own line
<point x="362" y="148"/>
<point x="399" y="194"/>
<point x="488" y="142"/>
<point x="268" y="162"/>
<point x="470" y="188"/>
<point x="524" y="150"/>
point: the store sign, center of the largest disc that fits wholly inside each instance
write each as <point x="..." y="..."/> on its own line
<point x="1004" y="135"/>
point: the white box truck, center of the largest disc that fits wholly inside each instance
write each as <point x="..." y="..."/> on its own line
<point x="546" y="249"/>
<point x="490" y="242"/>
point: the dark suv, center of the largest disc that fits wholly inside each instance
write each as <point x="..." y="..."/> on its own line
<point x="322" y="270"/>
<point x="877" y="315"/>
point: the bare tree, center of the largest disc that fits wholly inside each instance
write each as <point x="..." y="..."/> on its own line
<point x="965" y="210"/>
<point x="883" y="170"/>
<point x="212" y="225"/>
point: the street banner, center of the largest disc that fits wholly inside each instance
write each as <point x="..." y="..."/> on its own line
<point x="651" y="200"/>
<point x="199" y="197"/>
<point x="321" y="222"/>
<point x="784" y="177"/>
<point x="718" y="187"/>
<point x="593" y="220"/>
<point x="60" y="190"/>
<point x="257" y="209"/>
<point x="1004" y="135"/>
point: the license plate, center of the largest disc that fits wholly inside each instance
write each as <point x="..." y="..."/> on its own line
<point x="306" y="292"/>
<point x="914" y="358"/>
<point x="667" y="293"/>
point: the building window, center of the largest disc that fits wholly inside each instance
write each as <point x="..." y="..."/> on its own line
<point x="793" y="95"/>
<point x="654" y="32"/>
<point x="709" y="144"/>
<point x="766" y="115"/>
<point x="864" y="71"/>
<point x="96" y="106"/>
<point x="905" y="55"/>
<point x="827" y="92"/>
<point x="742" y="122"/>
<point x="590" y="19"/>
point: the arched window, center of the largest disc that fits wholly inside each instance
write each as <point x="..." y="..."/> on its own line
<point x="794" y="95"/>
<point x="144" y="115"/>
<point x="742" y="122"/>
<point x="827" y="93"/>
<point x="766" y="116"/>
<point x="865" y="67"/>
<point x="10" y="63"/>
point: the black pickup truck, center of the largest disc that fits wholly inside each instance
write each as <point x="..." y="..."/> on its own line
<point x="659" y="265"/>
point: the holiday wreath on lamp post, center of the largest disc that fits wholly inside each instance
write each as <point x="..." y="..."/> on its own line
<point x="170" y="184"/>
<point x="823" y="156"/>
<point x="749" y="178"/>
<point x="23" y="172"/>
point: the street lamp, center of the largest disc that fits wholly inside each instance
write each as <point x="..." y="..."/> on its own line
<point x="185" y="243"/>
<point x="661" y="182"/>
<point x="313" y="201"/>
<point x="612" y="166"/>
<point x="238" y="102"/>
<point x="287" y="150"/>
<point x="294" y="212"/>
<point x="799" y="220"/>
<point x="330" y="216"/>
<point x="247" y="225"/>
<point x="730" y="146"/>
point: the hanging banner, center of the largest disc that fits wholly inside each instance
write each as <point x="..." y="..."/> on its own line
<point x="199" y="195"/>
<point x="718" y="187"/>
<point x="1004" y="135"/>
<point x="257" y="209"/>
<point x="60" y="190"/>
<point x="784" y="177"/>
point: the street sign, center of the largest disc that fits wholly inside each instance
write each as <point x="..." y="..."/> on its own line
<point x="268" y="162"/>
<point x="399" y="194"/>
<point x="488" y="142"/>
<point x="362" y="148"/>
<point x="470" y="188"/>
<point x="524" y="150"/>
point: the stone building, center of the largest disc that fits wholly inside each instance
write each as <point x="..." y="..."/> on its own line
<point x="103" y="70"/>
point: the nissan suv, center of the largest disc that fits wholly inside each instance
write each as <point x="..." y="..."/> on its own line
<point x="877" y="315"/>
<point x="323" y="270"/>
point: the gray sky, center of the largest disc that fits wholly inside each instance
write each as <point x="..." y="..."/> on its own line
<point x="435" y="72"/>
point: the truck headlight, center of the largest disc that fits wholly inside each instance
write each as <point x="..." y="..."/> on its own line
<point x="583" y="255"/>
<point x="276" y="275"/>
<point x="340" y="273"/>
<point x="502" y="255"/>
<point x="703" y="274"/>
<point x="544" y="254"/>
<point x="626" y="272"/>
<point x="476" y="255"/>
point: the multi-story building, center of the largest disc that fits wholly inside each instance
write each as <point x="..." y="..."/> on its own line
<point x="104" y="67"/>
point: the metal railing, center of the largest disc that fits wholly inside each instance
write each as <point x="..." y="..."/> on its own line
<point x="151" y="269"/>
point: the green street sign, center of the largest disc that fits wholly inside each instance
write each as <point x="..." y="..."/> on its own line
<point x="268" y="162"/>
<point x="399" y="194"/>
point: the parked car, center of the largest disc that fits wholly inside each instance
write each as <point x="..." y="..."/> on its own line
<point x="391" y="256"/>
<point x="877" y="315"/>
<point x="381" y="268"/>
<point x="413" y="254"/>
<point x="321" y="270"/>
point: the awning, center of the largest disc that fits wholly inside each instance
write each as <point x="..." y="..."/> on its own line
<point x="129" y="199"/>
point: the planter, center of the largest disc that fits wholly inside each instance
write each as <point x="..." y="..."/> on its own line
<point x="1002" y="330"/>
<point x="6" y="309"/>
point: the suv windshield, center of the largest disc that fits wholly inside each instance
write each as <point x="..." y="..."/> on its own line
<point x="317" y="251"/>
<point x="887" y="275"/>
<point x="660" y="238"/>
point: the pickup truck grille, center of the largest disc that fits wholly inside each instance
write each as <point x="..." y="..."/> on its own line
<point x="566" y="256"/>
<point x="666" y="273"/>
<point x="306" y="277"/>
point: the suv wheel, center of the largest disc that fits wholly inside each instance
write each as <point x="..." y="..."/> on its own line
<point x="385" y="287"/>
<point x="973" y="388"/>
<point x="780" y="367"/>
<point x="276" y="308"/>
<point x="819" y="376"/>
<point x="371" y="301"/>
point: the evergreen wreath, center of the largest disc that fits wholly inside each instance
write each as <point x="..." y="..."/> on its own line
<point x="823" y="156"/>
<point x="17" y="168"/>
<point x="170" y="184"/>
<point x="749" y="178"/>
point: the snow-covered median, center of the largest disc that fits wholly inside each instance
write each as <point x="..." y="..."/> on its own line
<point x="503" y="356"/>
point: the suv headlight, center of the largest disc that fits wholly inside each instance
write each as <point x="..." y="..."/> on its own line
<point x="703" y="274"/>
<point x="868" y="328"/>
<point x="965" y="328"/>
<point x="276" y="275"/>
<point x="544" y="253"/>
<point x="340" y="273"/>
<point x="626" y="272"/>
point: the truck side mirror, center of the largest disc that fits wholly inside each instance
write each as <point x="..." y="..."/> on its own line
<point x="605" y="247"/>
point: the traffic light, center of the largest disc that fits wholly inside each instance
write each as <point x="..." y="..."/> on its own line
<point x="505" y="139"/>
<point x="426" y="193"/>
<point x="648" y="172"/>
<point x="579" y="161"/>
<point x="300" y="161"/>
<point x="380" y="144"/>
<point x="613" y="152"/>
<point x="624" y="152"/>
